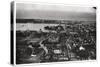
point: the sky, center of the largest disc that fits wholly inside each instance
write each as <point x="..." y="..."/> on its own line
<point x="54" y="12"/>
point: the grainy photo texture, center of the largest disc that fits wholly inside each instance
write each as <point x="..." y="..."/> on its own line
<point x="54" y="33"/>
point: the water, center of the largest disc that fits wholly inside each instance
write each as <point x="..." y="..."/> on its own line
<point x="32" y="26"/>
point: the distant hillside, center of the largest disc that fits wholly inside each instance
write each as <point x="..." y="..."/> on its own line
<point x="50" y="21"/>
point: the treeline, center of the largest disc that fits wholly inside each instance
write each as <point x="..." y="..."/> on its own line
<point x="36" y="21"/>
